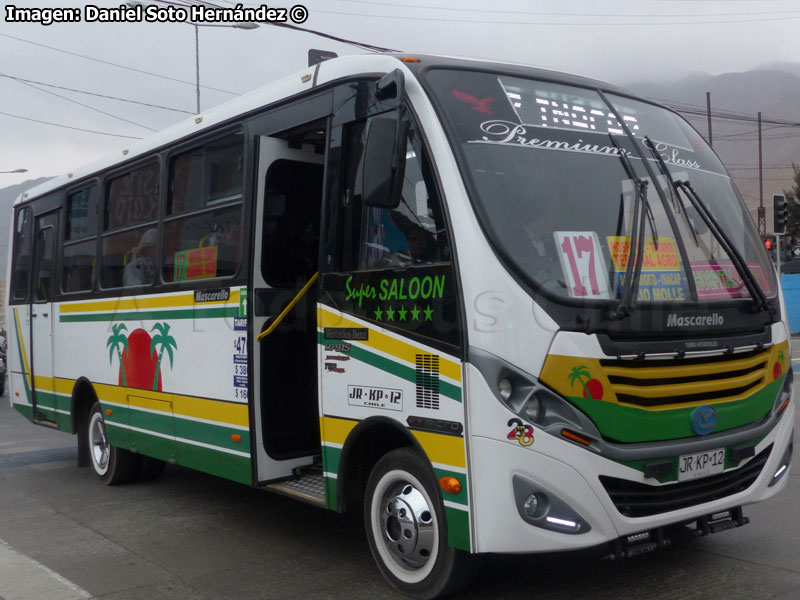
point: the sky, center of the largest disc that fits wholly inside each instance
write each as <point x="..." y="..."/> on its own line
<point x="138" y="63"/>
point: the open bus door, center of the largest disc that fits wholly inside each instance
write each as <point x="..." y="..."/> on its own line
<point x="288" y="206"/>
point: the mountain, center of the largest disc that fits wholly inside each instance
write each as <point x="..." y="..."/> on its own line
<point x="772" y="90"/>
<point x="7" y="197"/>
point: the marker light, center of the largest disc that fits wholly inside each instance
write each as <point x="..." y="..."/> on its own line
<point x="450" y="485"/>
<point x="409" y="59"/>
<point x="236" y="437"/>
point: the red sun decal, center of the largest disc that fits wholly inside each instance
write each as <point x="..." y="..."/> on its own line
<point x="140" y="355"/>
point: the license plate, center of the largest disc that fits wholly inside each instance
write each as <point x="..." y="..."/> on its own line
<point x="701" y="464"/>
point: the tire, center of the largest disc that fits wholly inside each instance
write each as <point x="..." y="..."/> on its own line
<point x="406" y="528"/>
<point x="110" y="465"/>
<point x="151" y="468"/>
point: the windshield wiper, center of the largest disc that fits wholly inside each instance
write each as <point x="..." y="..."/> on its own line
<point x="641" y="210"/>
<point x="662" y="167"/>
<point x="756" y="293"/>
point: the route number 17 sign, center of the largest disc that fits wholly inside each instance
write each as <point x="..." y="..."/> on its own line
<point x="582" y="263"/>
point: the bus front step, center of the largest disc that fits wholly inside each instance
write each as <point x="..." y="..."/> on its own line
<point x="309" y="487"/>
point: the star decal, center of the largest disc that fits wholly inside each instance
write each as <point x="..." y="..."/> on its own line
<point x="415" y="313"/>
<point x="428" y="313"/>
<point x="378" y="314"/>
<point x="402" y="312"/>
<point x="390" y="314"/>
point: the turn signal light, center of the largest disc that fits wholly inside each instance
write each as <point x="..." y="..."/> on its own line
<point x="450" y="484"/>
<point x="784" y="405"/>
<point x="409" y="59"/>
<point x="575" y="437"/>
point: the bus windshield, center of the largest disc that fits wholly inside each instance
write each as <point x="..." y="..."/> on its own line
<point x="565" y="178"/>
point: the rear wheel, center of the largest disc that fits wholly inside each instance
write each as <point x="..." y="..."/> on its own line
<point x="110" y="465"/>
<point x="406" y="528"/>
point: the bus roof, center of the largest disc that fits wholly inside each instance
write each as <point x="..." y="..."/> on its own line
<point x="292" y="85"/>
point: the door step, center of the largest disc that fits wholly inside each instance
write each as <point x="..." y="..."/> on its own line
<point x="309" y="487"/>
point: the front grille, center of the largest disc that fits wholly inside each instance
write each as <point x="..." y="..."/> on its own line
<point x="634" y="499"/>
<point x="657" y="382"/>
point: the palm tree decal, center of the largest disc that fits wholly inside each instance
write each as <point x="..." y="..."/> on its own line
<point x="592" y="388"/>
<point x="119" y="342"/>
<point x="167" y="343"/>
<point x="778" y="367"/>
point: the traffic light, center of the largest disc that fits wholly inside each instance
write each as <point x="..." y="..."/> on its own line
<point x="780" y="214"/>
<point x="768" y="244"/>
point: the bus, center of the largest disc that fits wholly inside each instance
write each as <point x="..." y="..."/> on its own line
<point x="498" y="309"/>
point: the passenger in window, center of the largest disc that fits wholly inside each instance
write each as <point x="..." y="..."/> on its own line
<point x="141" y="267"/>
<point x="422" y="244"/>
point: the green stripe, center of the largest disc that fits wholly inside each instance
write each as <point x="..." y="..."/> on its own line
<point x="628" y="424"/>
<point x="25" y="410"/>
<point x="331" y="493"/>
<point x="174" y="425"/>
<point x="330" y="459"/>
<point x="395" y="368"/>
<point x="153" y="315"/>
<point x="457" y="528"/>
<point x="214" y="462"/>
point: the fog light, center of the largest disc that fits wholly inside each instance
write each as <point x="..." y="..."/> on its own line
<point x="505" y="388"/>
<point x="533" y="506"/>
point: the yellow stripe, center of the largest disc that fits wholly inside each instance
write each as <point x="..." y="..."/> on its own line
<point x="444" y="449"/>
<point x="389" y="345"/>
<point x="119" y="304"/>
<point x="188" y="406"/>
<point x="334" y="430"/>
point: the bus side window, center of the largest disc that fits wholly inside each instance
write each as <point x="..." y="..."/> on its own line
<point x="79" y="258"/>
<point x="22" y="260"/>
<point x="202" y="233"/>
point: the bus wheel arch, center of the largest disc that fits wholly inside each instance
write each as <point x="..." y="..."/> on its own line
<point x="369" y="441"/>
<point x="83" y="398"/>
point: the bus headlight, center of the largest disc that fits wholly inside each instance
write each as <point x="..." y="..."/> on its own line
<point x="523" y="394"/>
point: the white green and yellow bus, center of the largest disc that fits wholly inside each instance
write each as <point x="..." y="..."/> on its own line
<point x="497" y="308"/>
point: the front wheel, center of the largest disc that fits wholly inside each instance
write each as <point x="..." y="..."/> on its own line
<point x="407" y="531"/>
<point x="110" y="465"/>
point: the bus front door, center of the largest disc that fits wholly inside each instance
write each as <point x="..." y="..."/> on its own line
<point x="288" y="206"/>
<point x="43" y="397"/>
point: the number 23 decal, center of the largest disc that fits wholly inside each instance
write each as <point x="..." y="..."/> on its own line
<point x="521" y="432"/>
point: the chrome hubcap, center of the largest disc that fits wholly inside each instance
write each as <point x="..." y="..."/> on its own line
<point x="407" y="525"/>
<point x="99" y="443"/>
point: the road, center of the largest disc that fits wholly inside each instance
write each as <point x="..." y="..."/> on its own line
<point x="194" y="536"/>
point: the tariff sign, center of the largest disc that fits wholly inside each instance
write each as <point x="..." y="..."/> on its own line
<point x="582" y="263"/>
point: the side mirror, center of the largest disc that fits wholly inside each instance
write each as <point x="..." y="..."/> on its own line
<point x="384" y="163"/>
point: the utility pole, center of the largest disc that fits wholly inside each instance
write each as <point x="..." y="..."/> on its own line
<point x="708" y="111"/>
<point x="762" y="219"/>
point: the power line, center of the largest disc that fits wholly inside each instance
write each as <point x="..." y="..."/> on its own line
<point x="102" y="112"/>
<point x="130" y="137"/>
<point x="59" y="87"/>
<point x="105" y="62"/>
